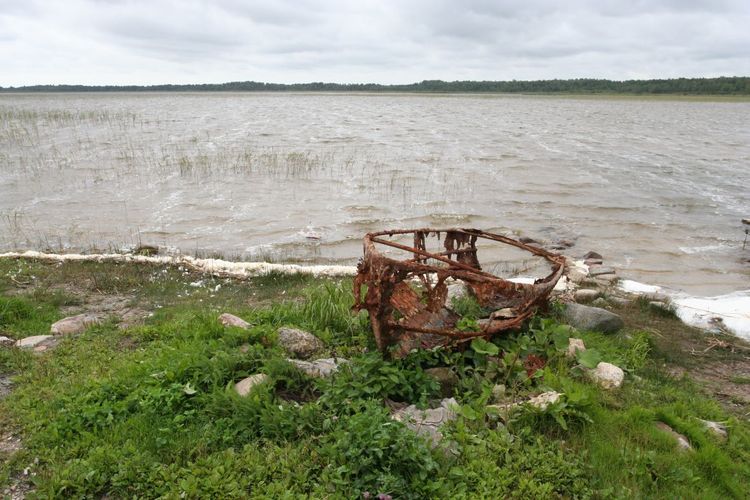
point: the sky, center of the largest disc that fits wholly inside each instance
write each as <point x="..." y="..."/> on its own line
<point x="99" y="42"/>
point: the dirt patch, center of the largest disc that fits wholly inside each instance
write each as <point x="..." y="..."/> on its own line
<point x="103" y="306"/>
<point x="718" y="362"/>
<point x="5" y="385"/>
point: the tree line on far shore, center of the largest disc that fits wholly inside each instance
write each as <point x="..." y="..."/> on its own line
<point x="675" y="86"/>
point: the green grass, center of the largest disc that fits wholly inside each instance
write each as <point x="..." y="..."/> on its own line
<point x="149" y="411"/>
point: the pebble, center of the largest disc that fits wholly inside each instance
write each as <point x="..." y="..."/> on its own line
<point x="592" y="255"/>
<point x="682" y="442"/>
<point x="227" y="319"/>
<point x="717" y="429"/>
<point x="319" y="368"/>
<point x="299" y="342"/>
<point x="600" y="270"/>
<point x="244" y="386"/>
<point x="33" y="341"/>
<point x="607" y="375"/>
<point x="586" y="294"/>
<point x="575" y="345"/>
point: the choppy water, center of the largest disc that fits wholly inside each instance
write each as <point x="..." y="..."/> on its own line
<point x="657" y="186"/>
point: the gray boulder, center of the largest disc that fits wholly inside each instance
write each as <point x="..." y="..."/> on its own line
<point x="427" y="422"/>
<point x="592" y="318"/>
<point x="299" y="342"/>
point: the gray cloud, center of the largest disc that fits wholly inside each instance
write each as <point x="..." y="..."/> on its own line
<point x="161" y="41"/>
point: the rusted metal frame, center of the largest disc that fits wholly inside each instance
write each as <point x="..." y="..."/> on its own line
<point x="430" y="255"/>
<point x="383" y="275"/>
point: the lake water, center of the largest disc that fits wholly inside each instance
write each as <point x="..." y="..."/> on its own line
<point x="656" y="186"/>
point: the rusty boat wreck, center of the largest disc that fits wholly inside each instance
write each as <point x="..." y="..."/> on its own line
<point x="408" y="298"/>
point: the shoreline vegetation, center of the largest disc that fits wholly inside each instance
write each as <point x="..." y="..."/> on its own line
<point x="161" y="394"/>
<point x="721" y="86"/>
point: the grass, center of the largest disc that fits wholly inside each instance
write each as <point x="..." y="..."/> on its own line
<point x="149" y="410"/>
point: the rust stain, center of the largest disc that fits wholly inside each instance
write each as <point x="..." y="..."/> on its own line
<point x="406" y="299"/>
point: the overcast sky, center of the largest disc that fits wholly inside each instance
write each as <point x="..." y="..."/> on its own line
<point x="388" y="41"/>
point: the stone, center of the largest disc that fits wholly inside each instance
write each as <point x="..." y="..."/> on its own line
<point x="600" y="302"/>
<point x="446" y="377"/>
<point x="682" y="442"/>
<point x="319" y="368"/>
<point x="592" y="255"/>
<point x="244" y="386"/>
<point x="456" y="291"/>
<point x="719" y="430"/>
<point x="427" y="422"/>
<point x="73" y="324"/>
<point x="593" y="262"/>
<point x="575" y="345"/>
<point x="33" y="341"/>
<point x="659" y="305"/>
<point x="498" y="393"/>
<point x="606" y="280"/>
<point x="6" y="341"/>
<point x="600" y="270"/>
<point x="528" y="241"/>
<point x="299" y="342"/>
<point x="586" y="294"/>
<point x="656" y="296"/>
<point x="543" y="400"/>
<point x="227" y="319"/>
<point x="592" y="318"/>
<point x="607" y="375"/>
<point x="577" y="274"/>
<point x="618" y="301"/>
<point x="506" y="313"/>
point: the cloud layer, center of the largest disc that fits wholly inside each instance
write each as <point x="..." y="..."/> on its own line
<point x="199" y="41"/>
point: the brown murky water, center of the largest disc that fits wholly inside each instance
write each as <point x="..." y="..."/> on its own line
<point x="657" y="186"/>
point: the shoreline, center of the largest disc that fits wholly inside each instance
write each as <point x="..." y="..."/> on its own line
<point x="730" y="312"/>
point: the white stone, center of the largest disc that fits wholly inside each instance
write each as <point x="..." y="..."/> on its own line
<point x="545" y="399"/>
<point x="31" y="342"/>
<point x="682" y="442"/>
<point x="227" y="319"/>
<point x="73" y="324"/>
<point x="6" y="341"/>
<point x="607" y="375"/>
<point x="455" y="291"/>
<point x="319" y="368"/>
<point x="717" y="429"/>
<point x="244" y="386"/>
<point x="575" y="345"/>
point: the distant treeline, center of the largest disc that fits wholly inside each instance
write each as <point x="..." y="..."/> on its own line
<point x="682" y="86"/>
